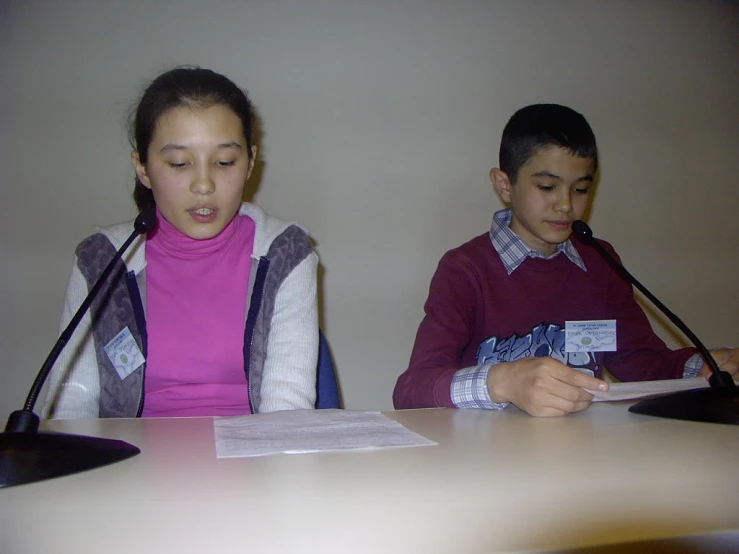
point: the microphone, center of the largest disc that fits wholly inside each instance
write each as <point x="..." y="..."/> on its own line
<point x="26" y="455"/>
<point x="717" y="404"/>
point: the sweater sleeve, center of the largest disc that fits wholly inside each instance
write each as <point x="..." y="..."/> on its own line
<point x="641" y="354"/>
<point x="74" y="383"/>
<point x="289" y="378"/>
<point x="442" y="337"/>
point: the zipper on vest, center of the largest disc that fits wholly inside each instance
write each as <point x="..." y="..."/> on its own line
<point x="255" y="307"/>
<point x="140" y="317"/>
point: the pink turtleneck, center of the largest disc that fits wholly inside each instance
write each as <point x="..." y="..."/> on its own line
<point x="195" y="314"/>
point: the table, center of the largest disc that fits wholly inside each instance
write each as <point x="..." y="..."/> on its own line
<point x="497" y="481"/>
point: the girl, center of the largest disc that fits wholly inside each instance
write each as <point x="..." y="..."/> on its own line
<point x="214" y="311"/>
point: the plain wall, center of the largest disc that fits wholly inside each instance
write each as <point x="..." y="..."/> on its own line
<point x="381" y="120"/>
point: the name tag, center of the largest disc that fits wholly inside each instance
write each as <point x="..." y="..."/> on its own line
<point x="124" y="353"/>
<point x="590" y="336"/>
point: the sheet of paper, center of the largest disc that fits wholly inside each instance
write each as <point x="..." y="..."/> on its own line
<point x="301" y="431"/>
<point x="643" y="389"/>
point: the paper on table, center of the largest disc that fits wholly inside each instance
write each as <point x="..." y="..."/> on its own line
<point x="642" y="389"/>
<point x="301" y="431"/>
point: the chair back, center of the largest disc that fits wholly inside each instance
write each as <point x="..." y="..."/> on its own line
<point x="327" y="387"/>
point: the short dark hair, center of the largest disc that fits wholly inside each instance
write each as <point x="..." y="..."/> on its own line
<point x="182" y="86"/>
<point x="540" y="125"/>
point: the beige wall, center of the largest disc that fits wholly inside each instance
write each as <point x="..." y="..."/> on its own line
<point x="381" y="120"/>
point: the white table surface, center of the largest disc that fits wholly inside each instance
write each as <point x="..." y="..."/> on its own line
<point x="497" y="481"/>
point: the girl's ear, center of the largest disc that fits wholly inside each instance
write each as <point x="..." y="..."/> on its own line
<point x="251" y="161"/>
<point x="501" y="184"/>
<point x="140" y="170"/>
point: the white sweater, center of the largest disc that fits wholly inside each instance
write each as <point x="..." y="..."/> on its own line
<point x="287" y="367"/>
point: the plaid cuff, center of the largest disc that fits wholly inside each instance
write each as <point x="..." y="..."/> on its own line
<point x="693" y="366"/>
<point x="470" y="389"/>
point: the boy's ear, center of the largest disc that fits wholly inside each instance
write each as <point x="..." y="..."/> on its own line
<point x="140" y="170"/>
<point x="501" y="184"/>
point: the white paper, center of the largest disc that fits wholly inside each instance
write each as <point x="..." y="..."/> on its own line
<point x="643" y="389"/>
<point x="301" y="431"/>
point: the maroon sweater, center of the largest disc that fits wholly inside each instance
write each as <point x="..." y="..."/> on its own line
<point x="472" y="299"/>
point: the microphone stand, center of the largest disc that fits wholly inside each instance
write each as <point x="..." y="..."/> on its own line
<point x="717" y="404"/>
<point x="27" y="455"/>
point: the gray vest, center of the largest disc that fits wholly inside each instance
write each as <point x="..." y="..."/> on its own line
<point x="120" y="305"/>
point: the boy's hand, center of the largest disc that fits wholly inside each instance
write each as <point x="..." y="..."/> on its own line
<point x="727" y="360"/>
<point x="542" y="386"/>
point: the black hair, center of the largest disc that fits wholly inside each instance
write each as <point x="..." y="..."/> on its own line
<point x="182" y="86"/>
<point x="540" y="125"/>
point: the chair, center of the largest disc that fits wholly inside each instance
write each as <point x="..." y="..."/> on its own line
<point x="327" y="389"/>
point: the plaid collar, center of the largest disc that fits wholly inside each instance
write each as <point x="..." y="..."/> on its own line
<point x="513" y="251"/>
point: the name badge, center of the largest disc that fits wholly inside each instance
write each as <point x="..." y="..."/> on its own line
<point x="124" y="353"/>
<point x="590" y="336"/>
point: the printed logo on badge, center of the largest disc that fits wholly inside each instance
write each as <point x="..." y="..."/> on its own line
<point x="124" y="353"/>
<point x="590" y="336"/>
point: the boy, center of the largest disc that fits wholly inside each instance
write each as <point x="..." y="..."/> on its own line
<point x="495" y="326"/>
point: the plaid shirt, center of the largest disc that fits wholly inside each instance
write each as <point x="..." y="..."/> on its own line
<point x="470" y="385"/>
<point x="513" y="251"/>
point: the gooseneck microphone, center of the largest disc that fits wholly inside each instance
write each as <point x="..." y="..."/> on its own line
<point x="717" y="404"/>
<point x="27" y="455"/>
